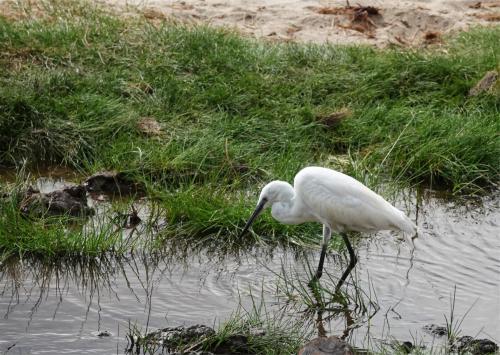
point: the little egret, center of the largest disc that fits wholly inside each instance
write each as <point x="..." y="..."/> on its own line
<point x="338" y="201"/>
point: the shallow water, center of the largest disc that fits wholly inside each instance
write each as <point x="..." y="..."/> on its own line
<point x="58" y="308"/>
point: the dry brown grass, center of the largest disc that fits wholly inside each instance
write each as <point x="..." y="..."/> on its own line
<point x="494" y="17"/>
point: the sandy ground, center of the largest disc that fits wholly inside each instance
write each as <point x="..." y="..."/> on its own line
<point x="374" y="22"/>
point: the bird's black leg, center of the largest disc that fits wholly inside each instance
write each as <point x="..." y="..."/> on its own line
<point x="326" y="238"/>
<point x="319" y="271"/>
<point x="352" y="262"/>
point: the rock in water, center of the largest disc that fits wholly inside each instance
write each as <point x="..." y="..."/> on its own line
<point x="71" y="201"/>
<point x="178" y="338"/>
<point x="469" y="345"/>
<point x="407" y="346"/>
<point x="435" y="329"/>
<point x="327" y="346"/>
<point x="113" y="183"/>
<point x="102" y="333"/>
<point x="173" y="337"/>
<point x="233" y="344"/>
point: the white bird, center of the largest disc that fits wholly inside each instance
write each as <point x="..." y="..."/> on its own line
<point x="338" y="201"/>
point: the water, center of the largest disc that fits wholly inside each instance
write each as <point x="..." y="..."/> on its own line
<point x="59" y="307"/>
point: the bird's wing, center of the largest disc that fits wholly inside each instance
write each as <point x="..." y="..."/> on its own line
<point x="343" y="202"/>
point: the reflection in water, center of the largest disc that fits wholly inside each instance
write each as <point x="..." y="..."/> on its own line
<point x="57" y="307"/>
<point x="61" y="305"/>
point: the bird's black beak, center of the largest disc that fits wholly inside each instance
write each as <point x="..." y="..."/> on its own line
<point x="255" y="214"/>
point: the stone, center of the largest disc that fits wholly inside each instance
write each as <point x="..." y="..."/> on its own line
<point x="467" y="344"/>
<point x="133" y="219"/>
<point x="326" y="346"/>
<point x="173" y="337"/>
<point x="113" y="183"/>
<point x="71" y="201"/>
<point x="233" y="344"/>
<point x="407" y="346"/>
<point x="436" y="329"/>
<point x="103" y="333"/>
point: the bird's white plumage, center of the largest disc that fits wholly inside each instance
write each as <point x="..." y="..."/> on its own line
<point x="345" y="204"/>
<point x="338" y="201"/>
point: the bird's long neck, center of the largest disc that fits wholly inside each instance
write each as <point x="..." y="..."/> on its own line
<point x="289" y="212"/>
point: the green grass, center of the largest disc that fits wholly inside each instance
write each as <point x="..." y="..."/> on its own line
<point x="50" y="238"/>
<point x="259" y="332"/>
<point x="236" y="112"/>
<point x="281" y="334"/>
<point x="73" y="88"/>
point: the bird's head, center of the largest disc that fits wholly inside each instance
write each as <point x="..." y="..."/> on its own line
<point x="275" y="191"/>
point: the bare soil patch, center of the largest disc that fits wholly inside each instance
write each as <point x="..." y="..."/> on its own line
<point x="374" y="22"/>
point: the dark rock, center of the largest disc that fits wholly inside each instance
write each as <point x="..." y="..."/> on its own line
<point x="113" y="183"/>
<point x="233" y="344"/>
<point x="326" y="346"/>
<point x="70" y="201"/>
<point x="436" y="329"/>
<point x="133" y="219"/>
<point x="173" y="337"/>
<point x="407" y="346"/>
<point x="103" y="333"/>
<point x="468" y="344"/>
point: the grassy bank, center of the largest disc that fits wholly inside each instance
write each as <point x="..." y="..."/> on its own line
<point x="75" y="80"/>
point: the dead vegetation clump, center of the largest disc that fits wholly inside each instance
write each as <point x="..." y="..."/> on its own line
<point x="153" y="14"/>
<point x="131" y="89"/>
<point x="333" y="119"/>
<point x="293" y="29"/>
<point x="353" y="11"/>
<point x="149" y="126"/>
<point x="485" y="84"/>
<point x="15" y="11"/>
<point x="330" y="10"/>
<point x="361" y="20"/>
<point x="360" y="17"/>
<point x="477" y="5"/>
<point x="480" y="4"/>
<point x="489" y="17"/>
<point x="432" y="37"/>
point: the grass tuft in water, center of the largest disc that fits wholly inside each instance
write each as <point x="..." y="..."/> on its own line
<point x="254" y="331"/>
